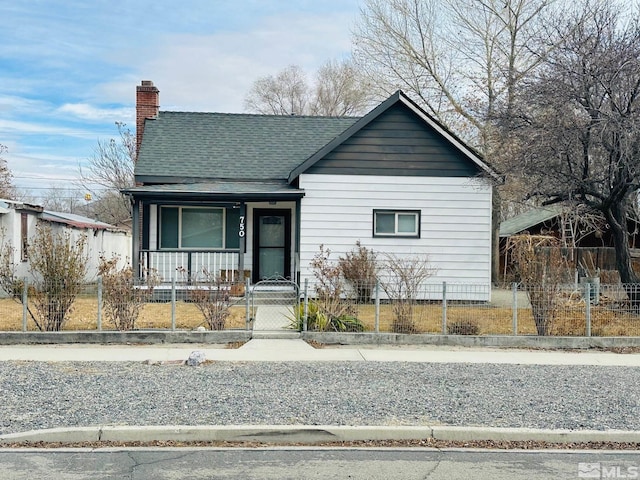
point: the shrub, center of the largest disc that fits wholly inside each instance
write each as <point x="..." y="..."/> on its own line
<point x="540" y="267"/>
<point x="462" y="327"/>
<point x="211" y="297"/>
<point x="58" y="265"/>
<point x="318" y="321"/>
<point x="401" y="279"/>
<point x="123" y="299"/>
<point x="360" y="269"/>
<point x="329" y="287"/>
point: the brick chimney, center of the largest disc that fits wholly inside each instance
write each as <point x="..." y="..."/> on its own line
<point x="147" y="106"/>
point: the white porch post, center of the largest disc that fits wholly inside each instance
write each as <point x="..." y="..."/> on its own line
<point x="296" y="255"/>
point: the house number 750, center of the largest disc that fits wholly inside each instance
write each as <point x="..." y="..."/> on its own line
<point x="241" y="232"/>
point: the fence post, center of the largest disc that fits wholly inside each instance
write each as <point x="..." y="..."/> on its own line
<point x="173" y="304"/>
<point x="305" y="325"/>
<point x="377" y="309"/>
<point x="587" y="287"/>
<point x="25" y="299"/>
<point x="514" y="306"/>
<point x="247" y="311"/>
<point x="99" y="304"/>
<point x="444" y="308"/>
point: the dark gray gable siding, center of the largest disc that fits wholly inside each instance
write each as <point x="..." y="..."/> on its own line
<point x="396" y="143"/>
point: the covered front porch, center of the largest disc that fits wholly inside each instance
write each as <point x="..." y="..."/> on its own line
<point x="188" y="233"/>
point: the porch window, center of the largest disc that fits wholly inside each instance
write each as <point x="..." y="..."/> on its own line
<point x="396" y="223"/>
<point x="196" y="228"/>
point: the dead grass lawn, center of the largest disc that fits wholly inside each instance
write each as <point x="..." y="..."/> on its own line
<point x="491" y="320"/>
<point x="84" y="316"/>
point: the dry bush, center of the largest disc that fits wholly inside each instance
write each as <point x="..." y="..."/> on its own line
<point x="360" y="269"/>
<point x="329" y="289"/>
<point x="122" y="296"/>
<point x="540" y="268"/>
<point x="464" y="327"/>
<point x="58" y="265"/>
<point x="401" y="280"/>
<point x="211" y="296"/>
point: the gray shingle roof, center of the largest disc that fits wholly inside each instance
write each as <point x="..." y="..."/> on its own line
<point x="232" y="146"/>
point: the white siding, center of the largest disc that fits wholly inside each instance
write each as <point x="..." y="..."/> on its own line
<point x="104" y="242"/>
<point x="337" y="210"/>
<point x="98" y="242"/>
<point x="10" y="231"/>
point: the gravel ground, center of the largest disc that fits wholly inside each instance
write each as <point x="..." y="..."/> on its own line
<point x="35" y="395"/>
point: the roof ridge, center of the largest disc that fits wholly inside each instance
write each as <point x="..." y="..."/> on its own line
<point x="262" y="115"/>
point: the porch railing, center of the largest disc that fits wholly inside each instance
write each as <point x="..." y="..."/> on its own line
<point x="189" y="265"/>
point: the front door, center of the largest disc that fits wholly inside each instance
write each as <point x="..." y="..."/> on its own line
<point x="271" y="243"/>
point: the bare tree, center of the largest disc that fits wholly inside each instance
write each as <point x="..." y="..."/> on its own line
<point x="458" y="58"/>
<point x="575" y="131"/>
<point x="62" y="199"/>
<point x="110" y="170"/>
<point x="7" y="189"/>
<point x="284" y="94"/>
<point x="338" y="90"/>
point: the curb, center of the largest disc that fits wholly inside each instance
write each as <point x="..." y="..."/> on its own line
<point x="159" y="337"/>
<point x="113" y="337"/>
<point x="310" y="434"/>
<point x="498" y="341"/>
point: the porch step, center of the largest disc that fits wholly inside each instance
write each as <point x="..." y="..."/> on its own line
<point x="275" y="335"/>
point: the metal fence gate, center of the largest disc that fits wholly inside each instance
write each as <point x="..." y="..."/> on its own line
<point x="275" y="305"/>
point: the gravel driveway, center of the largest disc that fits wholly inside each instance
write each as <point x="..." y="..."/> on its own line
<point x="35" y="395"/>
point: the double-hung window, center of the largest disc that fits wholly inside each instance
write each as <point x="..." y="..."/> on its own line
<point x="396" y="223"/>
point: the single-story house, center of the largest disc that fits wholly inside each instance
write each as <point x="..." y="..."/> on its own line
<point x="18" y="222"/>
<point x="260" y="193"/>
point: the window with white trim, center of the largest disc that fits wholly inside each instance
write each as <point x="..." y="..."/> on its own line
<point x="396" y="223"/>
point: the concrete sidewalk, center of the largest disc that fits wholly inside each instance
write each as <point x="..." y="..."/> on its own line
<point x="296" y="350"/>
<point x="290" y="350"/>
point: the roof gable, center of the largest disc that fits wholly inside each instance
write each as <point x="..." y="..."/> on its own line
<point x="188" y="147"/>
<point x="396" y="136"/>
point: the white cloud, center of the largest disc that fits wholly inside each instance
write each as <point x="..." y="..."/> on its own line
<point x="36" y="128"/>
<point x="214" y="72"/>
<point x="41" y="169"/>
<point x="86" y="111"/>
<point x="10" y="104"/>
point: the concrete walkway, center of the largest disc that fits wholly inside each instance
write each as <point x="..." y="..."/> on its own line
<point x="273" y="317"/>
<point x="287" y="350"/>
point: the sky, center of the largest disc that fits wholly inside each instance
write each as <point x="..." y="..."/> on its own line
<point x="69" y="68"/>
